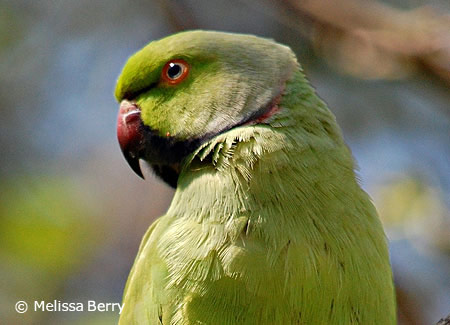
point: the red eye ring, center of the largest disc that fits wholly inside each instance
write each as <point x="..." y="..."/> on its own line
<point x="175" y="71"/>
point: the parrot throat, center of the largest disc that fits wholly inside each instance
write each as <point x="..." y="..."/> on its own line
<point x="164" y="154"/>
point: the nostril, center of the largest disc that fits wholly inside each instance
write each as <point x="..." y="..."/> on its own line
<point x="128" y="106"/>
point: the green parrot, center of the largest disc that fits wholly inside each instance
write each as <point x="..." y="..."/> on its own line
<point x="268" y="224"/>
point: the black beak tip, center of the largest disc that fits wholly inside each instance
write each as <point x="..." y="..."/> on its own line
<point x="133" y="162"/>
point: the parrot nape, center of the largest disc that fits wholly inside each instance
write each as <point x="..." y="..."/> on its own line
<point x="268" y="224"/>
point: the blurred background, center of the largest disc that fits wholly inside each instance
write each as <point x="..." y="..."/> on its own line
<point x="72" y="213"/>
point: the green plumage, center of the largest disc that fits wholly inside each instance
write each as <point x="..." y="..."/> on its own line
<point x="268" y="224"/>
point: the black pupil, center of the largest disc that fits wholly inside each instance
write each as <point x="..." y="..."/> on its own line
<point x="174" y="71"/>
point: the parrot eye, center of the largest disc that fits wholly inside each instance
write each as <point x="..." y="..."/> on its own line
<point x="175" y="71"/>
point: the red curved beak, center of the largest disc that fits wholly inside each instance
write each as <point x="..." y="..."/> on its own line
<point x="131" y="140"/>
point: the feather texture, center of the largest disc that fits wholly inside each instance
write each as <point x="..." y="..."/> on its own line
<point x="268" y="225"/>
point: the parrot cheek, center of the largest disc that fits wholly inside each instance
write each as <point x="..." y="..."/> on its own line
<point x="138" y="141"/>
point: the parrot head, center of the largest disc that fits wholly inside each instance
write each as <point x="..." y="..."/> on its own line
<point x="181" y="91"/>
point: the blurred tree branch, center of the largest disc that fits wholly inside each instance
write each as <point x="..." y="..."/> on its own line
<point x="372" y="40"/>
<point x="364" y="38"/>
<point x="445" y="321"/>
<point x="408" y="308"/>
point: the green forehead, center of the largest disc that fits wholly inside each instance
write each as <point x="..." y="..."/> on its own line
<point x="144" y="67"/>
